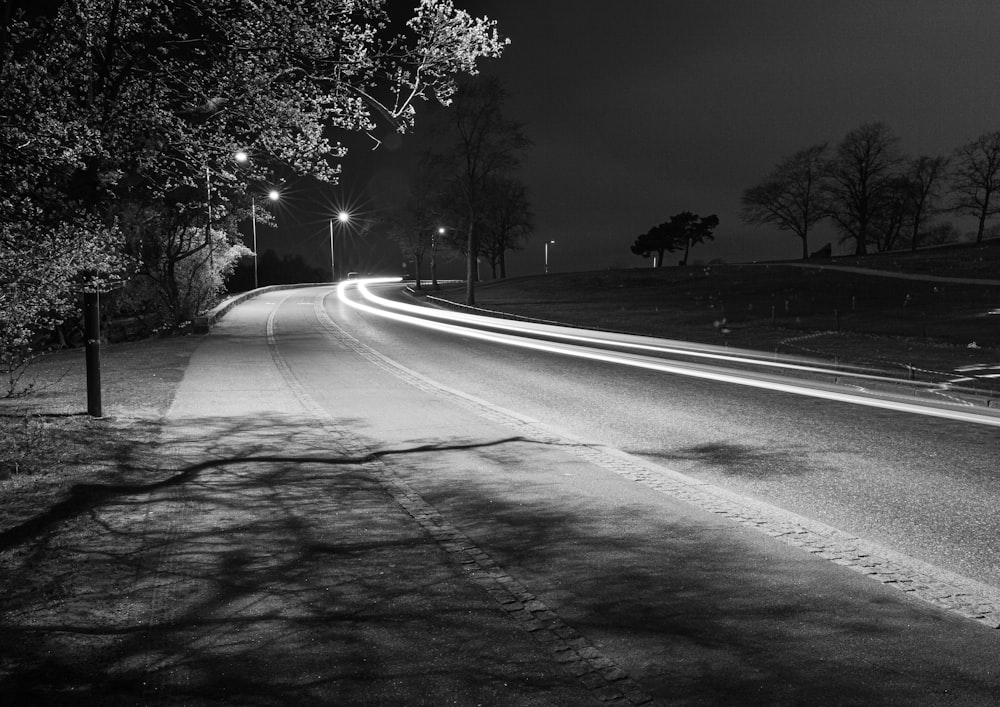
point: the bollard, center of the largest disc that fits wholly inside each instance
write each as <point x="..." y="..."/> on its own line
<point x="92" y="336"/>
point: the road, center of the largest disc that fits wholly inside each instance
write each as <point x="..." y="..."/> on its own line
<point x="346" y="508"/>
<point x="595" y="525"/>
<point x="924" y="486"/>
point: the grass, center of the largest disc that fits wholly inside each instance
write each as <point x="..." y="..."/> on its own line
<point x="900" y="325"/>
<point x="48" y="443"/>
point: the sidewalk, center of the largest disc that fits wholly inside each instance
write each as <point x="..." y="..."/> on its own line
<point x="344" y="537"/>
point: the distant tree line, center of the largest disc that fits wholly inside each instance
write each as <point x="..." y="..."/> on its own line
<point x="681" y="232"/>
<point x="875" y="196"/>
<point x="467" y="199"/>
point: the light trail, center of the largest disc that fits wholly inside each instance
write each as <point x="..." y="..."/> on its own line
<point x="625" y="341"/>
<point x="419" y="316"/>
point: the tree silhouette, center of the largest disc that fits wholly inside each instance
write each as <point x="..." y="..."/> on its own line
<point x="475" y="144"/>
<point x="790" y="196"/>
<point x="859" y="178"/>
<point x="976" y="179"/>
<point x="681" y="232"/>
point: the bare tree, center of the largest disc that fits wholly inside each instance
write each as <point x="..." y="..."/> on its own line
<point x="892" y="214"/>
<point x="858" y="178"/>
<point x="507" y="221"/>
<point x="976" y="179"/>
<point x="476" y="143"/>
<point x="926" y="175"/>
<point x="415" y="224"/>
<point x="790" y="196"/>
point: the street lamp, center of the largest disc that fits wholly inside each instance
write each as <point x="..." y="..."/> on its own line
<point x="344" y="218"/>
<point x="434" y="276"/>
<point x="273" y="195"/>
<point x="547" y="256"/>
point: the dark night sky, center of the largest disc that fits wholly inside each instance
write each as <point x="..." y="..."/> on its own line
<point x="641" y="109"/>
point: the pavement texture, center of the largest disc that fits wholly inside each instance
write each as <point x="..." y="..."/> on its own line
<point x="348" y="534"/>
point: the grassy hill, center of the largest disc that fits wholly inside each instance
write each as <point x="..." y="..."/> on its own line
<point x="906" y="327"/>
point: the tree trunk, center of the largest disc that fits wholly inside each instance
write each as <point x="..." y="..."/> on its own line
<point x="982" y="219"/>
<point x="861" y="248"/>
<point x="805" y="246"/>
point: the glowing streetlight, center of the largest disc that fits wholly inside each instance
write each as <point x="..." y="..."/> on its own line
<point x="344" y="219"/>
<point x="434" y="276"/>
<point x="273" y="195"/>
<point x="547" y="255"/>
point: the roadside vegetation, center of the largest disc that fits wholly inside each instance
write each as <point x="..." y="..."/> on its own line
<point x="136" y="137"/>
<point x="906" y="327"/>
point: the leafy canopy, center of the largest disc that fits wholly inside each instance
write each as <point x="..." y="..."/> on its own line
<point x="109" y="106"/>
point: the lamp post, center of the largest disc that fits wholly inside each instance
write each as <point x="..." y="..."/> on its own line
<point x="547" y="256"/>
<point x="208" y="210"/>
<point x="273" y="195"/>
<point x="434" y="274"/>
<point x="242" y="157"/>
<point x="343" y="217"/>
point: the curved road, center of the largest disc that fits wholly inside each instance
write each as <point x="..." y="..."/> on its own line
<point x="645" y="530"/>
<point x="924" y="486"/>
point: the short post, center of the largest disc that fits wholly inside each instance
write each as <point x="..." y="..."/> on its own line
<point x="92" y="336"/>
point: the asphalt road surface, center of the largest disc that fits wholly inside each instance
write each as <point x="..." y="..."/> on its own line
<point x="347" y="508"/>
<point x="660" y="536"/>
<point x="924" y="486"/>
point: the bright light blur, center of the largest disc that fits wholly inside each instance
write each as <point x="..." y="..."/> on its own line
<point x="422" y="317"/>
<point x="241" y="156"/>
<point x="274" y="195"/>
<point x="343" y="217"/>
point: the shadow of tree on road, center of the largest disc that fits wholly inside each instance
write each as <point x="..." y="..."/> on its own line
<point x="741" y="459"/>
<point x="274" y="569"/>
<point x="266" y="562"/>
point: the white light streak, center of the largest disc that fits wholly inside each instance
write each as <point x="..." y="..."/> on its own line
<point x="421" y="316"/>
